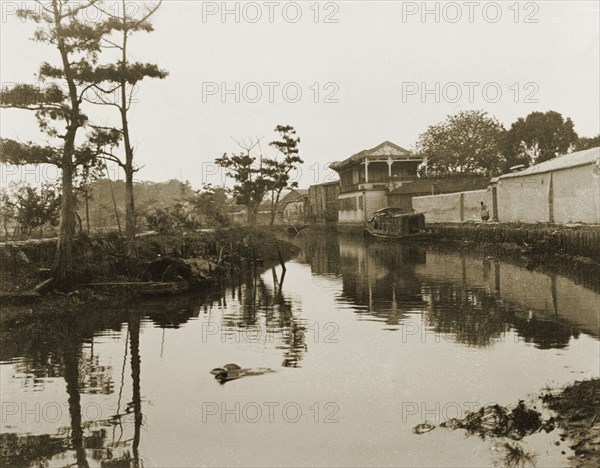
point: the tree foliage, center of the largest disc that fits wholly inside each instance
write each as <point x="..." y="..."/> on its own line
<point x="251" y="179"/>
<point x="35" y="208"/>
<point x="57" y="105"/>
<point x="584" y="143"/>
<point x="57" y="99"/>
<point x="280" y="170"/>
<point x="468" y="142"/>
<point x="120" y="78"/>
<point x="8" y="211"/>
<point x="209" y="206"/>
<point x="176" y="218"/>
<point x="30" y="207"/>
<point x="539" y="137"/>
<point x="255" y="178"/>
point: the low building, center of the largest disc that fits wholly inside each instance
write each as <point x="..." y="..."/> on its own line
<point x="565" y="189"/>
<point x="239" y="214"/>
<point x="323" y="203"/>
<point x="295" y="207"/>
<point x="402" y="196"/>
<point x="562" y="190"/>
<point x="367" y="177"/>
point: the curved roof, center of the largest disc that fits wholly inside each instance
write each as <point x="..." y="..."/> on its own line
<point x="385" y="149"/>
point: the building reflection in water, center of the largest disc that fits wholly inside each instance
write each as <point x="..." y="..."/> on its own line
<point x="475" y="299"/>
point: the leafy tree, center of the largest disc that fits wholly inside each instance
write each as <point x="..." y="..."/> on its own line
<point x="60" y="24"/>
<point x="122" y="78"/>
<point x="280" y="170"/>
<point x="35" y="209"/>
<point x="252" y="180"/>
<point x="172" y="219"/>
<point x="584" y="143"/>
<point x="539" y="137"/>
<point x="8" y="211"/>
<point x="468" y="142"/>
<point x="209" y="203"/>
<point x="160" y="221"/>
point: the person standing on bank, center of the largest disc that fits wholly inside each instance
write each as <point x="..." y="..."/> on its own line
<point x="485" y="214"/>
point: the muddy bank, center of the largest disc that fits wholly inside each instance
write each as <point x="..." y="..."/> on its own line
<point x="537" y="241"/>
<point x="538" y="256"/>
<point x="577" y="410"/>
<point x="577" y="417"/>
<point x="208" y="253"/>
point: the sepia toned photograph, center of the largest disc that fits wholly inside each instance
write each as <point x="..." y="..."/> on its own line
<point x="312" y="233"/>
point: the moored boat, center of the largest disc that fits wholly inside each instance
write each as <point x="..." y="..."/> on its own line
<point x="163" y="288"/>
<point x="393" y="223"/>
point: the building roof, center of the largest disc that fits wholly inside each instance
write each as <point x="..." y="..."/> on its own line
<point x="440" y="185"/>
<point x="331" y="182"/>
<point x="293" y="195"/>
<point x="385" y="149"/>
<point x="566" y="161"/>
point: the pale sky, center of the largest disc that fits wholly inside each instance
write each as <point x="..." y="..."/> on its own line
<point x="375" y="61"/>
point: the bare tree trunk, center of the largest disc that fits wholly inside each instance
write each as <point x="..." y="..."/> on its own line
<point x="79" y="223"/>
<point x="129" y="169"/>
<point x="129" y="212"/>
<point x="63" y="270"/>
<point x="252" y="212"/>
<point x="87" y="210"/>
<point x="274" y="208"/>
<point x="63" y="267"/>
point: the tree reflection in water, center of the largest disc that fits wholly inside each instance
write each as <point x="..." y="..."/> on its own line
<point x="61" y="345"/>
<point x="467" y="297"/>
<point x="474" y="300"/>
<point x="266" y="308"/>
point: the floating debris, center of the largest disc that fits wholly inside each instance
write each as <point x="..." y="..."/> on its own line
<point x="423" y="428"/>
<point x="500" y="421"/>
<point x="517" y="457"/>
<point x="233" y="371"/>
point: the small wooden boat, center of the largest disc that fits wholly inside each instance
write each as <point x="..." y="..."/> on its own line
<point x="393" y="223"/>
<point x="169" y="288"/>
<point x="144" y="288"/>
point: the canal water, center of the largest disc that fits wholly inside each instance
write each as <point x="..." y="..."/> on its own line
<point x="366" y="341"/>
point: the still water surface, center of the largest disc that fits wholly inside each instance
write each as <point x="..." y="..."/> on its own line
<point x="367" y="341"/>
